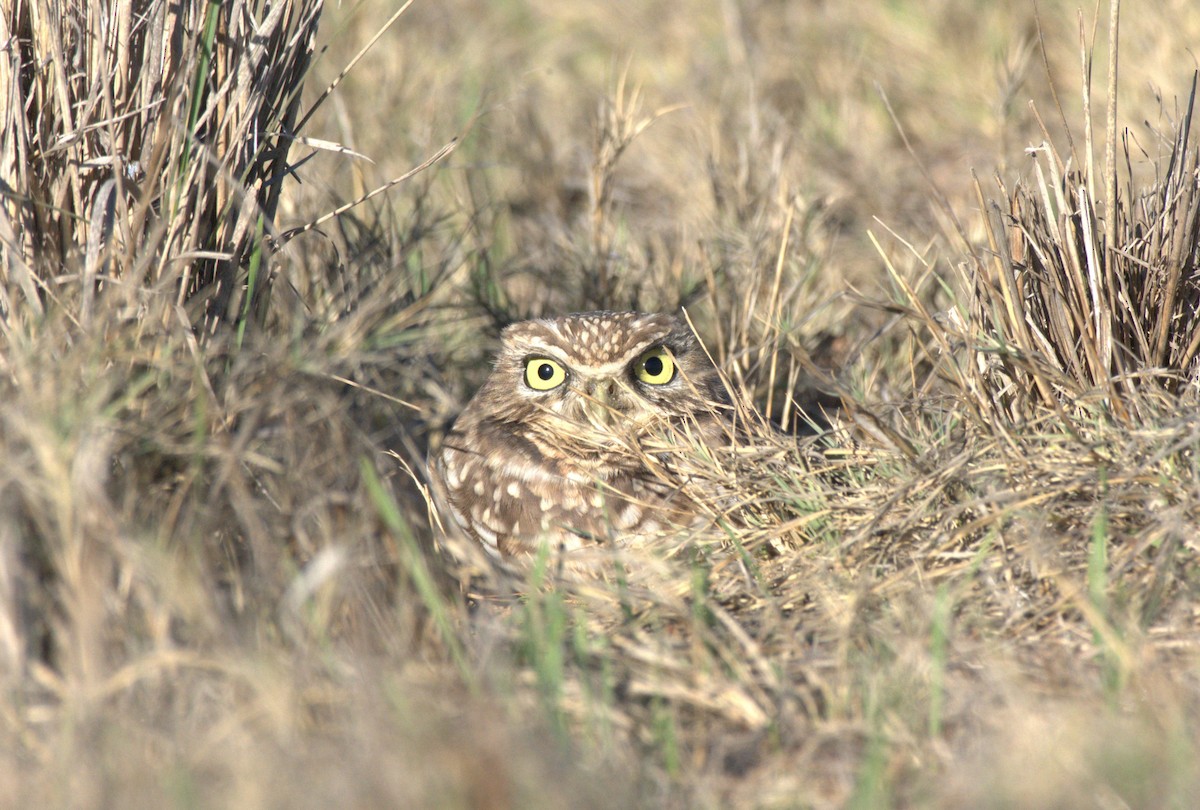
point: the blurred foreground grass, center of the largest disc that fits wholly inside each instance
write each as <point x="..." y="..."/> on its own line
<point x="217" y="582"/>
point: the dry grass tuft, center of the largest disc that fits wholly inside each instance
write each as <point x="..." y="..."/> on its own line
<point x="145" y="151"/>
<point x="1080" y="302"/>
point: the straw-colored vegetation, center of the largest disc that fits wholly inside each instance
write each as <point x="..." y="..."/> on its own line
<point x="978" y="586"/>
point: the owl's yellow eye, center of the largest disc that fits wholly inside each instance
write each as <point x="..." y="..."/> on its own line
<point x="655" y="367"/>
<point x="542" y="374"/>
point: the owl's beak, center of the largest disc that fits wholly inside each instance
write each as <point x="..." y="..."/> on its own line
<point x="598" y="403"/>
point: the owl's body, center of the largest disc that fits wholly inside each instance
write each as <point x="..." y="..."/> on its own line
<point x="565" y="443"/>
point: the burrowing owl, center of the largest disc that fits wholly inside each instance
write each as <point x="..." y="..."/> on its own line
<point x="567" y="441"/>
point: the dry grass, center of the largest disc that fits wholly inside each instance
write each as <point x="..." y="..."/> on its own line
<point x="976" y="587"/>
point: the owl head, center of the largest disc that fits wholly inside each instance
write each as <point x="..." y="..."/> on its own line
<point x="586" y="378"/>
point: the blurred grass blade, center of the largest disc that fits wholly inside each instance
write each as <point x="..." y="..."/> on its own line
<point x="417" y="568"/>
